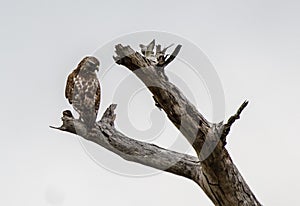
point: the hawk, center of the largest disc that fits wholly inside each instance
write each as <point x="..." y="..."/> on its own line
<point x="83" y="90"/>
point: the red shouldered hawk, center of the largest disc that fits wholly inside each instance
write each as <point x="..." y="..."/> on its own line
<point x="83" y="90"/>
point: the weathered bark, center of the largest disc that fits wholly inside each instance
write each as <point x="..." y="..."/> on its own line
<point x="213" y="169"/>
<point x="223" y="183"/>
<point x="105" y="134"/>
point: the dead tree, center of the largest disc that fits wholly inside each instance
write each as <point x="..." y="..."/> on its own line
<point x="213" y="169"/>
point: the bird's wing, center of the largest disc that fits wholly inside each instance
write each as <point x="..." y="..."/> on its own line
<point x="98" y="97"/>
<point x="70" y="87"/>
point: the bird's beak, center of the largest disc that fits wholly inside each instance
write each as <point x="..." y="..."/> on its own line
<point x="97" y="68"/>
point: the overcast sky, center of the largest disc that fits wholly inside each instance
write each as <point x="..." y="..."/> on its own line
<point x="254" y="47"/>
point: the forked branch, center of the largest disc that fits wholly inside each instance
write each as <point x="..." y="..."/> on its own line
<point x="213" y="170"/>
<point x="223" y="183"/>
<point x="105" y="134"/>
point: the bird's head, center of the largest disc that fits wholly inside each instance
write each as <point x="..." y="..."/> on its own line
<point x="90" y="63"/>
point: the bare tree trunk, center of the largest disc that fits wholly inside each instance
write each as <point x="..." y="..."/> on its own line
<point x="212" y="169"/>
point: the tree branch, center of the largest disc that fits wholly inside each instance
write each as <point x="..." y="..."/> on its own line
<point x="105" y="135"/>
<point x="221" y="180"/>
<point x="172" y="56"/>
<point x="231" y="120"/>
<point x="213" y="170"/>
<point x="180" y="111"/>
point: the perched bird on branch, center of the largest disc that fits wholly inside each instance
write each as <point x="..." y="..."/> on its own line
<point x="83" y="90"/>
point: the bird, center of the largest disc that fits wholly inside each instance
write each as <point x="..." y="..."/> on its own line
<point x="83" y="90"/>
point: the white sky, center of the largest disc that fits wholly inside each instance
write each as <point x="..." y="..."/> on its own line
<point x="254" y="46"/>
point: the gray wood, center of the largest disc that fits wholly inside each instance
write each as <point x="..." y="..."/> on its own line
<point x="105" y="134"/>
<point x="213" y="169"/>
